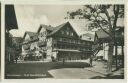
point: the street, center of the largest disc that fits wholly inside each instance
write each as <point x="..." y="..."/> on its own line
<point x="58" y="70"/>
<point x="74" y="73"/>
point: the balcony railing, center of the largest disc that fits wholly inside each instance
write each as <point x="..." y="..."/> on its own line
<point x="41" y="43"/>
<point x="72" y="43"/>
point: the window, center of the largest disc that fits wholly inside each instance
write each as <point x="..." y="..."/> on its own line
<point x="60" y="39"/>
<point x="68" y="28"/>
<point x="81" y="42"/>
<point x="64" y="39"/>
<point x="68" y="33"/>
<point x="71" y="47"/>
<point x="122" y="33"/>
<point x="62" y="32"/>
<point x="72" y="41"/>
<point x="78" y="42"/>
<point x="61" y="47"/>
<point x="87" y="43"/>
<point x="71" y="33"/>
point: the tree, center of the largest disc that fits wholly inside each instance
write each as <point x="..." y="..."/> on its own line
<point x="103" y="17"/>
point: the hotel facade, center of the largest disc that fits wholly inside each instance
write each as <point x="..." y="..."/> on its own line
<point x="60" y="42"/>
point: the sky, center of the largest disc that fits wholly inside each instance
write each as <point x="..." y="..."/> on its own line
<point x="29" y="17"/>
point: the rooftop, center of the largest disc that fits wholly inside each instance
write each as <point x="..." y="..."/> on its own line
<point x="48" y="27"/>
<point x="101" y="34"/>
<point x="87" y="36"/>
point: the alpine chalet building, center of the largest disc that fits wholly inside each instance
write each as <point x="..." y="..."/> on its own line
<point x="29" y="45"/>
<point x="61" y="42"/>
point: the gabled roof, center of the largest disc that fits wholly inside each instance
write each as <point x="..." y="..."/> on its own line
<point x="32" y="35"/>
<point x="101" y="37"/>
<point x="29" y="33"/>
<point x="104" y="37"/>
<point x="52" y="30"/>
<point x="57" y="28"/>
<point x="48" y="27"/>
<point x="101" y="34"/>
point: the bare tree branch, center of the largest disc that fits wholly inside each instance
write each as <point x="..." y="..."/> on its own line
<point x="109" y="19"/>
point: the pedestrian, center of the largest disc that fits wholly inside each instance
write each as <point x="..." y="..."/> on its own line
<point x="16" y="59"/>
<point x="52" y="57"/>
<point x="63" y="61"/>
<point x="91" y="61"/>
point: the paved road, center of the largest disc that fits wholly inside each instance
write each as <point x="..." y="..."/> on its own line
<point x="70" y="70"/>
<point x="38" y="69"/>
<point x="73" y="73"/>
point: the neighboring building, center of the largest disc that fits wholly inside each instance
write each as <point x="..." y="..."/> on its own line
<point x="17" y="45"/>
<point x="61" y="42"/>
<point x="17" y="42"/>
<point x="101" y="43"/>
<point x="29" y="45"/>
<point x="10" y="23"/>
<point x="43" y="43"/>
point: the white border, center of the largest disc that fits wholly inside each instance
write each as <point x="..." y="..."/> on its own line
<point x="70" y="2"/>
<point x="58" y="2"/>
<point x="2" y="40"/>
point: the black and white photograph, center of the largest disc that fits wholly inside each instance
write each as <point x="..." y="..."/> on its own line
<point x="0" y="41"/>
<point x="64" y="41"/>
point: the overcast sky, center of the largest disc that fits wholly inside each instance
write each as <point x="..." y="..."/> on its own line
<point x="29" y="17"/>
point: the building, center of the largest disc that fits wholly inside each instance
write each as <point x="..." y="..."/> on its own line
<point x="10" y="23"/>
<point x="101" y="44"/>
<point x="88" y="37"/>
<point x="61" y="42"/>
<point x="29" y="45"/>
<point x="17" y="45"/>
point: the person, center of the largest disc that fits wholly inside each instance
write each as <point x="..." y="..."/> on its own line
<point x="52" y="57"/>
<point x="16" y="59"/>
<point x="91" y="61"/>
<point x="63" y="61"/>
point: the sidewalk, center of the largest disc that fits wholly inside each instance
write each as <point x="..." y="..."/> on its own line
<point x="98" y="67"/>
<point x="101" y="67"/>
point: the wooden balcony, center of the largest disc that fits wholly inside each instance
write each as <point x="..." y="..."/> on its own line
<point x="41" y="43"/>
<point x="71" y="43"/>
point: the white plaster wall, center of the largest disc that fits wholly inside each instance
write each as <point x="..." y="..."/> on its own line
<point x="27" y="37"/>
<point x="49" y="48"/>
